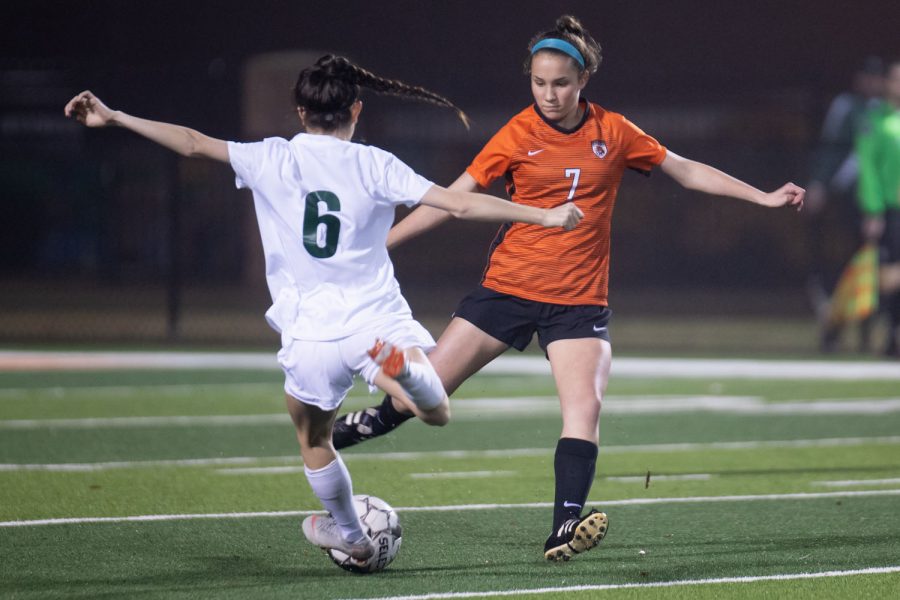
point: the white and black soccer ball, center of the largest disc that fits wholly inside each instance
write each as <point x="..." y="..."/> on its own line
<point x="382" y="524"/>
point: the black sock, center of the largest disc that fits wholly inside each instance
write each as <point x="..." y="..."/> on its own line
<point x="389" y="416"/>
<point x="574" y="466"/>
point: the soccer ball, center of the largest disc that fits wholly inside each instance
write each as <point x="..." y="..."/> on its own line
<point x="382" y="524"/>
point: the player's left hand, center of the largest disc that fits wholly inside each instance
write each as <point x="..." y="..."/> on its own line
<point x="89" y="110"/>
<point x="787" y="195"/>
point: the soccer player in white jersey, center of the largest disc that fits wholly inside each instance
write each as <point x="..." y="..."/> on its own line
<point x="324" y="206"/>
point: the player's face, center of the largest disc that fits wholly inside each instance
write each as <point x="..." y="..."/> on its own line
<point x="556" y="85"/>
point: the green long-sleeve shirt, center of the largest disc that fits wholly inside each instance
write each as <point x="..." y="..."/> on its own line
<point x="878" y="152"/>
<point x="842" y="124"/>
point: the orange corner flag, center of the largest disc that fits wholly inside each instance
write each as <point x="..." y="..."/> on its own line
<point x="856" y="294"/>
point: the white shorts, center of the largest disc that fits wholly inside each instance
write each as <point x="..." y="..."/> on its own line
<point x="321" y="373"/>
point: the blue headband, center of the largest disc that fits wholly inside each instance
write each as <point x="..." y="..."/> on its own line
<point x="562" y="46"/>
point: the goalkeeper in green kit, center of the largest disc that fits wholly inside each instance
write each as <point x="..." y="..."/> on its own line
<point x="878" y="152"/>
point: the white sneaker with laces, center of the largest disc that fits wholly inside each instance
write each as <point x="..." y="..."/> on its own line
<point x="323" y="531"/>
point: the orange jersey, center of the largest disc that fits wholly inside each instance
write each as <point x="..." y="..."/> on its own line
<point x="545" y="166"/>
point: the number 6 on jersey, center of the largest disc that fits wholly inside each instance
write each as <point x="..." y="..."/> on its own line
<point x="320" y="231"/>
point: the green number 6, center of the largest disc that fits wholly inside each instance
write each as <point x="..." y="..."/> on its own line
<point x="312" y="220"/>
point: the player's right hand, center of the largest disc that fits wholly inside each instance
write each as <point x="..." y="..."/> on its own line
<point x="566" y="216"/>
<point x="89" y="110"/>
<point x="787" y="195"/>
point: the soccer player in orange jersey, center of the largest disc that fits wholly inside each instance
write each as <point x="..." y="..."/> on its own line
<point x="553" y="283"/>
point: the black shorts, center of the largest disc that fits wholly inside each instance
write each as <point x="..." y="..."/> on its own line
<point x="514" y="320"/>
<point x="890" y="241"/>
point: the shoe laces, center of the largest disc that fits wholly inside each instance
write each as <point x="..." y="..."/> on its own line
<point x="328" y="526"/>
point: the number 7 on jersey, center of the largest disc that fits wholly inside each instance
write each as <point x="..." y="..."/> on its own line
<point x="575" y="174"/>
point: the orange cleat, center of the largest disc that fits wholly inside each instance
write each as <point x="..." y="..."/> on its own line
<point x="391" y="359"/>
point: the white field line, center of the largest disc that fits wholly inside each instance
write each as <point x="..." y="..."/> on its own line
<point x="463" y="474"/>
<point x="16" y="360"/>
<point x="655" y="478"/>
<point x="262" y="470"/>
<point x="666" y="404"/>
<point x="124" y="391"/>
<point x="170" y="421"/>
<point x="131" y="464"/>
<point x="854" y="482"/>
<point x="482" y="408"/>
<point x="691" y="368"/>
<point x="459" y="507"/>
<point x="654" y="584"/>
<point x="754" y="369"/>
<point x="458" y="454"/>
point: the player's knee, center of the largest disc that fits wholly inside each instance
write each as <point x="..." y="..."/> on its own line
<point x="583" y="413"/>
<point x="314" y="440"/>
<point x="438" y="416"/>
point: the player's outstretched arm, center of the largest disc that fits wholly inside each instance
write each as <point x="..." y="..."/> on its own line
<point x="426" y="217"/>
<point x="90" y="111"/>
<point x="701" y="177"/>
<point x="481" y="207"/>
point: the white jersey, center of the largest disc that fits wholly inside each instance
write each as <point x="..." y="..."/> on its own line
<point x="324" y="208"/>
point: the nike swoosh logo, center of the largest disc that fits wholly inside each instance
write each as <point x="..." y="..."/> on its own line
<point x="599" y="329"/>
<point x="533" y="152"/>
<point x="567" y="504"/>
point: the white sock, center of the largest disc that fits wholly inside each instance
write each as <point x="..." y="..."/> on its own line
<point x="332" y="485"/>
<point x="423" y="386"/>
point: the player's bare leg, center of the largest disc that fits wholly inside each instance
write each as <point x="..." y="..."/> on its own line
<point x="408" y="376"/>
<point x="581" y="370"/>
<point x="330" y="481"/>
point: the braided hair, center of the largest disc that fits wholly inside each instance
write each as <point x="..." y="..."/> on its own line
<point x="569" y="28"/>
<point x="329" y="88"/>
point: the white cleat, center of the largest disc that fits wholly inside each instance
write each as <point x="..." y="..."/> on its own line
<point x="323" y="531"/>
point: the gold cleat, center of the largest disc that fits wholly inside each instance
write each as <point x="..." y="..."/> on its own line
<point x="576" y="536"/>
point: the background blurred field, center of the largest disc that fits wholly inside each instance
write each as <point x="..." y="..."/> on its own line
<point x="106" y="238"/>
<point x="695" y="321"/>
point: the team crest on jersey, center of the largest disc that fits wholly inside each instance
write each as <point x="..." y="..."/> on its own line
<point x="599" y="148"/>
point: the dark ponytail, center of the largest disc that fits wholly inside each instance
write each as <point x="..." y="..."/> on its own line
<point x="569" y="29"/>
<point x="329" y="88"/>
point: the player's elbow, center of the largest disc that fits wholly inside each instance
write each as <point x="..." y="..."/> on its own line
<point x="196" y="145"/>
<point x="461" y="209"/>
<point x="460" y="205"/>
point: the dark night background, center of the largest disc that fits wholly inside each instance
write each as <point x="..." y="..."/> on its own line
<point x="104" y="219"/>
